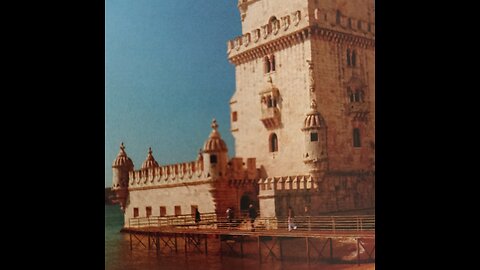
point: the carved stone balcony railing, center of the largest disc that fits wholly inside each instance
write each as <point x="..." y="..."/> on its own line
<point x="358" y="107"/>
<point x="271" y="117"/>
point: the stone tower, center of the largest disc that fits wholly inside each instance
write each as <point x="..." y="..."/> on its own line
<point x="121" y="166"/>
<point x="295" y="52"/>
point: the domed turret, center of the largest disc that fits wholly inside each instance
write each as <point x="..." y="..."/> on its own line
<point x="215" y="153"/>
<point x="120" y="167"/>
<point x="315" y="132"/>
<point x="122" y="159"/>
<point x="314" y="119"/>
<point x="214" y="143"/>
<point x="150" y="161"/>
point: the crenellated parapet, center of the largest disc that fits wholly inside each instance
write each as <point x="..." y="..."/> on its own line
<point x="239" y="171"/>
<point x="294" y="28"/>
<point x="167" y="175"/>
<point x="273" y="185"/>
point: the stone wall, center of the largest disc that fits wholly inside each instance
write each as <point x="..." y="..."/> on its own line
<point x="338" y="191"/>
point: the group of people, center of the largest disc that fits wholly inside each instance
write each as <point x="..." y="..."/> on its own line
<point x="252" y="214"/>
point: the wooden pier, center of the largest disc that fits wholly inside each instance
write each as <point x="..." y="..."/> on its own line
<point x="270" y="244"/>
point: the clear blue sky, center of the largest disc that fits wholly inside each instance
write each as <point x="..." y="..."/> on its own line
<point x="166" y="77"/>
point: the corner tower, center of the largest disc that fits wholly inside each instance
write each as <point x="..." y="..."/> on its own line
<point x="120" y="167"/>
<point x="293" y="44"/>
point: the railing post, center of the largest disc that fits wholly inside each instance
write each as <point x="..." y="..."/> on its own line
<point x="309" y="223"/>
<point x="358" y="251"/>
<point x="333" y="224"/>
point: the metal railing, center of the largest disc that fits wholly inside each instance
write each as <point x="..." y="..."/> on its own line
<point x="321" y="223"/>
<point x="303" y="223"/>
<point x="174" y="220"/>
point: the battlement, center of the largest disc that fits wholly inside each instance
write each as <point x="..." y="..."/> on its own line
<point x="332" y="181"/>
<point x="237" y="170"/>
<point x="168" y="174"/>
<point x="189" y="172"/>
<point x="294" y="22"/>
<point x="271" y="185"/>
<point x="336" y="21"/>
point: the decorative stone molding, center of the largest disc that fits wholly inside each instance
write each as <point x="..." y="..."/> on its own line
<point x="285" y="22"/>
<point x="296" y="17"/>
<point x="298" y="37"/>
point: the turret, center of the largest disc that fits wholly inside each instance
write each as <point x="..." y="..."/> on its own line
<point x="315" y="132"/>
<point x="150" y="161"/>
<point x="121" y="166"/>
<point x="215" y="153"/>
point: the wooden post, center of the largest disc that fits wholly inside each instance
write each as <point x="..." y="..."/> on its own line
<point x="185" y="243"/>
<point x="259" y="249"/>
<point x="220" y="239"/>
<point x="241" y="246"/>
<point x="158" y="242"/>
<point x="308" y="250"/>
<point x="148" y="235"/>
<point x="280" y="247"/>
<point x="358" y="251"/>
<point x="176" y="249"/>
<point x="333" y="224"/>
<point x="131" y="246"/>
<point x="331" y="249"/>
<point x="206" y="248"/>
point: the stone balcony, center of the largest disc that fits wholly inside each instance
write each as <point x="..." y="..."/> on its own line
<point x="357" y="107"/>
<point x="271" y="117"/>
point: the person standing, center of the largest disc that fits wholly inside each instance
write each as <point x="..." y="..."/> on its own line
<point x="197" y="216"/>
<point x="252" y="213"/>
<point x="291" y="216"/>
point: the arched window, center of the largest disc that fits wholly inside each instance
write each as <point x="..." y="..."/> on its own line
<point x="272" y="62"/>
<point x="349" y="23"/>
<point x="356" y="137"/>
<point x="348" y="57"/>
<point x="350" y="94"/>
<point x="354" y="58"/>
<point x="267" y="64"/>
<point x="338" y="16"/>
<point x="270" y="26"/>
<point x="273" y="143"/>
<point x="357" y="96"/>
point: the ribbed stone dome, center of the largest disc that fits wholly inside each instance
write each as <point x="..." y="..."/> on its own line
<point x="122" y="159"/>
<point x="214" y="143"/>
<point x="314" y="119"/>
<point x="150" y="161"/>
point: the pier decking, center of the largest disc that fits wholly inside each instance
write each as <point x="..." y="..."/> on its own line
<point x="318" y="244"/>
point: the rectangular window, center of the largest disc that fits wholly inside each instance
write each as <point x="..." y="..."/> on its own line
<point x="135" y="212"/>
<point x="178" y="210"/>
<point x="213" y="159"/>
<point x="234" y="116"/>
<point x="163" y="211"/>
<point x="313" y="137"/>
<point x="356" y="137"/>
<point x="148" y="209"/>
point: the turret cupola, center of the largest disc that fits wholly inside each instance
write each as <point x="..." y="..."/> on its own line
<point x="214" y="142"/>
<point x="122" y="159"/>
<point x="150" y="161"/>
<point x="215" y="153"/>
